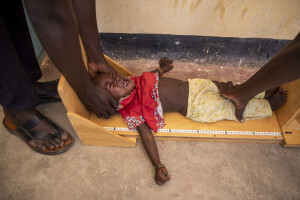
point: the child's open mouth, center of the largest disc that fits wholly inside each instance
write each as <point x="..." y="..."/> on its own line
<point x="125" y="83"/>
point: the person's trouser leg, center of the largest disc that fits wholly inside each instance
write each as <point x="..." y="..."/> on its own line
<point x="14" y="18"/>
<point x="16" y="91"/>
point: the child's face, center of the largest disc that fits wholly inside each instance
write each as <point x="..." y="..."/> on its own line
<point x="117" y="85"/>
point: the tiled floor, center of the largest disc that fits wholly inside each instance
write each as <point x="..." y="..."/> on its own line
<point x="200" y="170"/>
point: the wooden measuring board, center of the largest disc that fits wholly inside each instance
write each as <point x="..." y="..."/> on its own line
<point x="114" y="132"/>
<point x="180" y="128"/>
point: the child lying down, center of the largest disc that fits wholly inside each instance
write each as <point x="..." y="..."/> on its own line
<point x="143" y="99"/>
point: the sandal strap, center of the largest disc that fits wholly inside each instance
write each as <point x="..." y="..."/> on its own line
<point x="35" y="134"/>
<point x="35" y="120"/>
<point x="31" y="135"/>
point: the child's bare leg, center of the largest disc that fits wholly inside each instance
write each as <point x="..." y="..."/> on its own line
<point x="278" y="99"/>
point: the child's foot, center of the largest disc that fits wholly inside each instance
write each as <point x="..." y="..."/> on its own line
<point x="269" y="93"/>
<point x="278" y="99"/>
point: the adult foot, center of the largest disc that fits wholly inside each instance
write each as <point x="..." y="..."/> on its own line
<point x="271" y="92"/>
<point x="278" y="99"/>
<point x="37" y="131"/>
<point x="97" y="67"/>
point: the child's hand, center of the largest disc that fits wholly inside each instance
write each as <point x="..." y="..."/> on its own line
<point x="161" y="176"/>
<point x="165" y="64"/>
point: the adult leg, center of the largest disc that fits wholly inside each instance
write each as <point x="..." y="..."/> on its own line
<point x="85" y="12"/>
<point x="15" y="22"/>
<point x="16" y="91"/>
<point x="18" y="99"/>
<point x="283" y="68"/>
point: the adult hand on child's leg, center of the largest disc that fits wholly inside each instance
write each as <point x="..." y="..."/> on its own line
<point x="161" y="176"/>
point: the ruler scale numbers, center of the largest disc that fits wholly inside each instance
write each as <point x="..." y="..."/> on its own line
<point x="214" y="132"/>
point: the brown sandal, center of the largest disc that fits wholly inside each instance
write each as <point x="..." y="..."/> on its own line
<point x="24" y="131"/>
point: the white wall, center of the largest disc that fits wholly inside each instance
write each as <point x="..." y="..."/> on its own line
<point x="278" y="19"/>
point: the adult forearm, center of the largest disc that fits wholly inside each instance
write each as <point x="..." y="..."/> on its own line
<point x="85" y="12"/>
<point x="55" y="25"/>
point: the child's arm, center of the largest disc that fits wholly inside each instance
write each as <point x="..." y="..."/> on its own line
<point x="161" y="173"/>
<point x="165" y="65"/>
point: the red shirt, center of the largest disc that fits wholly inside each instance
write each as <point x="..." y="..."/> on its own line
<point x="143" y="105"/>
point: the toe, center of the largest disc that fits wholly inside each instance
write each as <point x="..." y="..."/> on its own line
<point x="54" y="144"/>
<point x="59" y="142"/>
<point x="38" y="144"/>
<point x="49" y="145"/>
<point x="64" y="135"/>
<point x="239" y="113"/>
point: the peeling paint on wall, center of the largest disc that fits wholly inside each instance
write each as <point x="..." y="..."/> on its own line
<point x="277" y="19"/>
<point x="244" y="11"/>
<point x="195" y="4"/>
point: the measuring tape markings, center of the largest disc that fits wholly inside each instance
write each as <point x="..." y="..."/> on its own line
<point x="215" y="132"/>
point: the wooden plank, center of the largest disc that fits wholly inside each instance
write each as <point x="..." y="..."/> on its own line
<point x="92" y="134"/>
<point x="209" y="136"/>
<point x="291" y="109"/>
<point x="237" y="140"/>
<point x="178" y="121"/>
<point x="295" y="124"/>
<point x="291" y="134"/>
<point x="71" y="100"/>
<point x="289" y="114"/>
<point x="117" y="67"/>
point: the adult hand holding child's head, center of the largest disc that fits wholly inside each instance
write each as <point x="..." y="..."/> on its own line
<point x="99" y="101"/>
<point x="95" y="68"/>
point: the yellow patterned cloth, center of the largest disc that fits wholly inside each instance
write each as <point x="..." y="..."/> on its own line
<point x="205" y="104"/>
